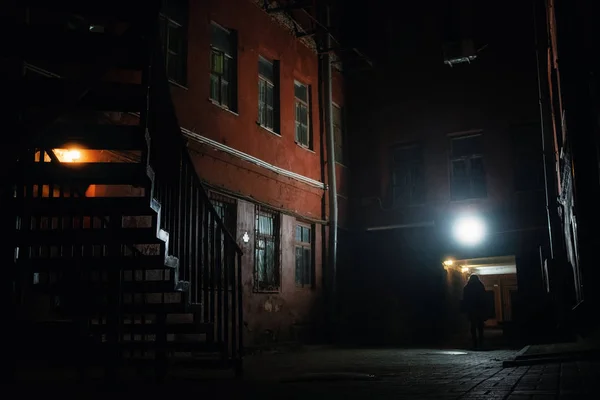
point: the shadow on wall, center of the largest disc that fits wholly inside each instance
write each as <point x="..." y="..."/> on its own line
<point x="393" y="293"/>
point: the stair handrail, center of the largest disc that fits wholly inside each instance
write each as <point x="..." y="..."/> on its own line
<point x="159" y="82"/>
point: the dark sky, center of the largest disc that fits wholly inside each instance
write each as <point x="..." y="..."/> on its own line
<point x="396" y="31"/>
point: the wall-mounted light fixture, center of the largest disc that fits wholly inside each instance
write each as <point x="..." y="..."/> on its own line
<point x="469" y="230"/>
<point x="246" y="237"/>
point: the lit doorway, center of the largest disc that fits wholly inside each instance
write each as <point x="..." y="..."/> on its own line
<point x="499" y="276"/>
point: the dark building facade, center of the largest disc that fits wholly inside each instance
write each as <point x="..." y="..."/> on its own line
<point x="571" y="121"/>
<point x="433" y="142"/>
<point x="245" y="79"/>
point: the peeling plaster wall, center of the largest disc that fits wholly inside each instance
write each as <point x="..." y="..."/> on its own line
<point x="282" y="316"/>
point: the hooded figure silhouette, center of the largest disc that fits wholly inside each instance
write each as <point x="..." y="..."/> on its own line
<point x="474" y="300"/>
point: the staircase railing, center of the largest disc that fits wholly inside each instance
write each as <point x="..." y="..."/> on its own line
<point x="209" y="257"/>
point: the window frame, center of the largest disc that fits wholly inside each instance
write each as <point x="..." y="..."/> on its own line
<point x="226" y="208"/>
<point x="308" y="283"/>
<point x="468" y="164"/>
<point x="394" y="167"/>
<point x="230" y="77"/>
<point x="274" y="84"/>
<point x="166" y="22"/>
<point x="306" y="104"/>
<point x="343" y="160"/>
<point x="276" y="239"/>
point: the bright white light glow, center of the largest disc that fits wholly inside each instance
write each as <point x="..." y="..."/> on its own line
<point x="246" y="238"/>
<point x="469" y="230"/>
<point x="448" y="263"/>
<point x="464" y="269"/>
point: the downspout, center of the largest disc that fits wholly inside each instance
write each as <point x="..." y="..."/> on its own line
<point x="331" y="177"/>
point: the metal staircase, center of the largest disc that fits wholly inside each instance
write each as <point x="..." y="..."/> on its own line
<point x="119" y="256"/>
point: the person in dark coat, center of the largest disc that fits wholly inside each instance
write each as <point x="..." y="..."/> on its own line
<point x="474" y="300"/>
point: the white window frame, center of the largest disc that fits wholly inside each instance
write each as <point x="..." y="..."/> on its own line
<point x="229" y="80"/>
<point x="296" y="122"/>
<point x="262" y="113"/>
<point x="305" y="245"/>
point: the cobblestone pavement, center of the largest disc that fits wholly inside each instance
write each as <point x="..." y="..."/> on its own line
<point x="417" y="374"/>
<point x="383" y="374"/>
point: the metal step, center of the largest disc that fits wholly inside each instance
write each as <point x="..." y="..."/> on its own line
<point x="96" y="288"/>
<point x="47" y="44"/>
<point x="175" y="346"/>
<point x="93" y="136"/>
<point x="84" y="174"/>
<point x="148" y="308"/>
<point x="76" y="206"/>
<point x="88" y="236"/>
<point x="141" y="262"/>
<point x="45" y="92"/>
<point x="152" y="328"/>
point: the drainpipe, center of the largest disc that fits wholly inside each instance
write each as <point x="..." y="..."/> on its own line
<point x="331" y="178"/>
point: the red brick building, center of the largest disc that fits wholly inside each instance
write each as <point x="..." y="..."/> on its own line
<point x="245" y="86"/>
<point x="246" y="91"/>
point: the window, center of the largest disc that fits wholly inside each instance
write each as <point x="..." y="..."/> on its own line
<point x="173" y="35"/>
<point x="266" y="255"/>
<point x="226" y="208"/>
<point x="302" y="114"/>
<point x="303" y="256"/>
<point x="338" y="134"/>
<point x="408" y="181"/>
<point x="467" y="169"/>
<point x="528" y="160"/>
<point x="222" y="67"/>
<point x="267" y="94"/>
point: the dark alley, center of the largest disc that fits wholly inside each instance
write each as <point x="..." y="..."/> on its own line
<point x="301" y="198"/>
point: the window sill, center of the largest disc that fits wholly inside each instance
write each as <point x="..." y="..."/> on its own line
<point x="260" y="291"/>
<point x="341" y="164"/>
<point x="179" y="85"/>
<point x="223" y="108"/>
<point x="267" y="129"/>
<point x="305" y="148"/>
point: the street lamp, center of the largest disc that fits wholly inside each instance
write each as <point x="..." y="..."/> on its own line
<point x="469" y="230"/>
